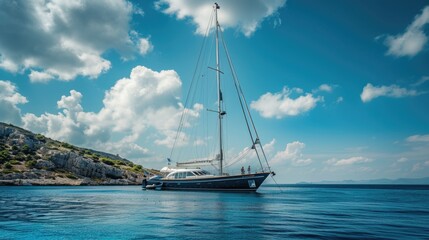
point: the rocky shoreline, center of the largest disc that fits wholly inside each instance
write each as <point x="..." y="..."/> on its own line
<point x="33" y="159"/>
<point x="63" y="182"/>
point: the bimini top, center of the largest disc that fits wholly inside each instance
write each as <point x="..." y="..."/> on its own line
<point x="188" y="173"/>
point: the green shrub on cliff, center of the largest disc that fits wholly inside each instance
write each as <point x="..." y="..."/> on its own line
<point x="31" y="163"/>
<point x="120" y="163"/>
<point x="138" y="168"/>
<point x="8" y="165"/>
<point x="71" y="176"/>
<point x="15" y="149"/>
<point x="40" y="137"/>
<point x="14" y="162"/>
<point x="21" y="157"/>
<point x="27" y="150"/>
<point x="4" y="156"/>
<point x="108" y="161"/>
<point x="68" y="146"/>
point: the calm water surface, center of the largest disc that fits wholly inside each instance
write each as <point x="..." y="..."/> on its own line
<point x="316" y="212"/>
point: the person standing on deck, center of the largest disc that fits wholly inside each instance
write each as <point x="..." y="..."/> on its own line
<point x="242" y="170"/>
<point x="248" y="169"/>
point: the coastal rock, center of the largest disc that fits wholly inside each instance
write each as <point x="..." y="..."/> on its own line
<point x="19" y="137"/>
<point x="11" y="176"/>
<point x="5" y="131"/>
<point x="43" y="164"/>
<point x="33" y="159"/>
<point x="83" y="166"/>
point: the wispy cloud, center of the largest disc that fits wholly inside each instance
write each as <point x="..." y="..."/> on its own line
<point x="418" y="138"/>
<point x="417" y="167"/>
<point x="348" y="161"/>
<point x="242" y="14"/>
<point x="412" y="41"/>
<point x="371" y="92"/>
<point x="281" y="104"/>
<point x="421" y="81"/>
<point x="420" y="166"/>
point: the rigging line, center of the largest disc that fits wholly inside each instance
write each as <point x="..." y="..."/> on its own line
<point x="240" y="96"/>
<point x="197" y="95"/>
<point x="251" y="120"/>
<point x="226" y="126"/>
<point x="278" y="185"/>
<point x="207" y="95"/>
<point x="190" y="87"/>
<point x="212" y="95"/>
<point x="245" y="103"/>
<point x="239" y="157"/>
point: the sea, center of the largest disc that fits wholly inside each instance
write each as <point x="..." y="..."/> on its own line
<point x="275" y="212"/>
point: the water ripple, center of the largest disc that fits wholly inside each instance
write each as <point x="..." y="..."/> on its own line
<point x="130" y="213"/>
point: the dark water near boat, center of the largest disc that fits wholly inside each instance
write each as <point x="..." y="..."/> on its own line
<point x="298" y="212"/>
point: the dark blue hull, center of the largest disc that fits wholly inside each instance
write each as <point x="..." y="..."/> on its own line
<point x="237" y="183"/>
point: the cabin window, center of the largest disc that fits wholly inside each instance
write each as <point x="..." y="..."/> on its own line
<point x="180" y="175"/>
<point x="189" y="174"/>
<point x="196" y="173"/>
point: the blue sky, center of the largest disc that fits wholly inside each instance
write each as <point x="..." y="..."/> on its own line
<point x="338" y="89"/>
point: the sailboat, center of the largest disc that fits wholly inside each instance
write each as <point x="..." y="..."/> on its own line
<point x="189" y="175"/>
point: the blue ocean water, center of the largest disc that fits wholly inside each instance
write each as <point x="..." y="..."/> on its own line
<point x="296" y="212"/>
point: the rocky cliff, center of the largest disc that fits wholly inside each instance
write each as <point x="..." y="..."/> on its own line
<point x="33" y="159"/>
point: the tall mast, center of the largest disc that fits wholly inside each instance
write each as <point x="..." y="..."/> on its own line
<point x="219" y="93"/>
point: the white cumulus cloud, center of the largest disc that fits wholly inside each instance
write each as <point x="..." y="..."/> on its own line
<point x="325" y="88"/>
<point x="36" y="76"/>
<point x="281" y="104"/>
<point x="413" y="40"/>
<point x="63" y="39"/>
<point x="293" y="154"/>
<point x="371" y="92"/>
<point x="245" y="15"/>
<point x="144" y="46"/>
<point x="268" y="148"/>
<point x="9" y="99"/>
<point x="145" y="103"/>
